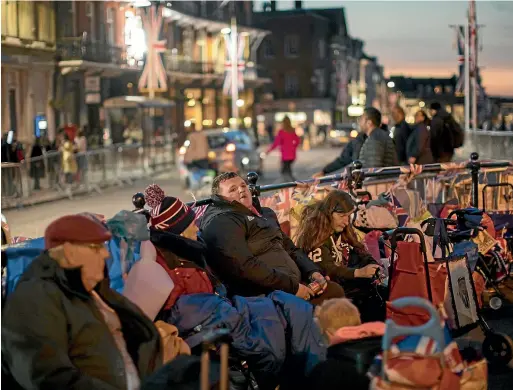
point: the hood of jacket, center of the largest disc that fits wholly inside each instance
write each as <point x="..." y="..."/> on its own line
<point x="221" y="206"/>
<point x="442" y="114"/>
<point x="181" y="247"/>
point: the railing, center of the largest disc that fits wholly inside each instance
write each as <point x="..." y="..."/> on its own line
<point x="357" y="178"/>
<point x="77" y="49"/>
<point x="47" y="178"/>
<point x="491" y="144"/>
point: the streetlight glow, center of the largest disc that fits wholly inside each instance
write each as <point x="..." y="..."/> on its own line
<point x="240" y="103"/>
<point x="390" y="84"/>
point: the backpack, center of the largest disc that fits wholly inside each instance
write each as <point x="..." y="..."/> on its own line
<point x="454" y="132"/>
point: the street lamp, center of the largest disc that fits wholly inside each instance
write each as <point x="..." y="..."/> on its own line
<point x="240" y="103"/>
<point x="390" y="84"/>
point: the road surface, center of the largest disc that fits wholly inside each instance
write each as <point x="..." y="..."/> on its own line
<point x="32" y="221"/>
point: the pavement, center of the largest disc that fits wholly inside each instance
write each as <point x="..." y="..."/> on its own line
<point x="31" y="221"/>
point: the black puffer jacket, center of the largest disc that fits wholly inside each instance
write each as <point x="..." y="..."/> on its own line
<point x="251" y="254"/>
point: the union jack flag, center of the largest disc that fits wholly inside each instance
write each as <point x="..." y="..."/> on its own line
<point x="239" y="57"/>
<point x="199" y="212"/>
<point x="153" y="77"/>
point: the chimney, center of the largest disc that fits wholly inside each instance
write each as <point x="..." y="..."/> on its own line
<point x="298" y="4"/>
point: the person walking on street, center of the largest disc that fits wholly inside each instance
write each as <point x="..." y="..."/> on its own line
<point x="402" y="132"/>
<point x="37" y="167"/>
<point x="196" y="155"/>
<point x="81" y="148"/>
<point x="288" y="141"/>
<point x="419" y="143"/>
<point x="446" y="134"/>
<point x="69" y="163"/>
<point x="378" y="150"/>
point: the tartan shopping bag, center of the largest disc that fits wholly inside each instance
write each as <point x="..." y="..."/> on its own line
<point x="426" y="358"/>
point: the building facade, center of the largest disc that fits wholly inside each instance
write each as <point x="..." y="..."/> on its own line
<point x="413" y="94"/>
<point x="196" y="63"/>
<point x="320" y="74"/>
<point x="28" y="62"/>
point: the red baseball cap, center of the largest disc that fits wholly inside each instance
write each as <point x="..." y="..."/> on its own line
<point x="76" y="229"/>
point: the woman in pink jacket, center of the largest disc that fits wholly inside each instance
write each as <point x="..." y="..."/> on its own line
<point x="288" y="141"/>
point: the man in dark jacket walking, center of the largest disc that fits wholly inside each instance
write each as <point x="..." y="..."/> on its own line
<point x="378" y="150"/>
<point x="248" y="250"/>
<point x="402" y="132"/>
<point x="63" y="327"/>
<point x="443" y="127"/>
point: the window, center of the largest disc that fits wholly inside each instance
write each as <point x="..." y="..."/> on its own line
<point x="111" y="26"/>
<point x="322" y="49"/>
<point x="46" y="22"/>
<point x="291" y="45"/>
<point x="26" y="20"/>
<point x="321" y="81"/>
<point x="91" y="16"/>
<point x="10" y="18"/>
<point x="268" y="49"/>
<point x="448" y="89"/>
<point x="291" y="84"/>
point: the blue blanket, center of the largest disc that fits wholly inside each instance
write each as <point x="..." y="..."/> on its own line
<point x="267" y="331"/>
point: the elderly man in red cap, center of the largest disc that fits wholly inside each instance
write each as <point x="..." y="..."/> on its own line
<point x="64" y="328"/>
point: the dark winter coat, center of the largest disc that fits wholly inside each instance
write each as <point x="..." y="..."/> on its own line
<point x="249" y="253"/>
<point x="37" y="167"/>
<point x="339" y="260"/>
<point x="54" y="337"/>
<point x="402" y="132"/>
<point x="440" y="147"/>
<point x="348" y="363"/>
<point x="419" y="145"/>
<point x="349" y="154"/>
<point x="378" y="150"/>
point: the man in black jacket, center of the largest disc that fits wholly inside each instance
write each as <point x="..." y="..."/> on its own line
<point x="63" y="327"/>
<point x="248" y="250"/>
<point x="402" y="132"/>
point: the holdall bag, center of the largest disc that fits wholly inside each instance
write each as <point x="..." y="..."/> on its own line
<point x="433" y="365"/>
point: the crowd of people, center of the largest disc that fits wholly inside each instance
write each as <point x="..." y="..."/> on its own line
<point x="427" y="141"/>
<point x="71" y="162"/>
<point x="65" y="328"/>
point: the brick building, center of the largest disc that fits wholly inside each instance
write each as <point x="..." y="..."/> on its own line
<point x="320" y="74"/>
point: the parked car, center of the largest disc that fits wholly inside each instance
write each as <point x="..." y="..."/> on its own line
<point x="230" y="150"/>
<point x="342" y="134"/>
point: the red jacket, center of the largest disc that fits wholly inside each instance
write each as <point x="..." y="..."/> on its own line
<point x="288" y="143"/>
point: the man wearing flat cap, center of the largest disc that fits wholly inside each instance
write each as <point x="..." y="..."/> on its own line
<point x="63" y="327"/>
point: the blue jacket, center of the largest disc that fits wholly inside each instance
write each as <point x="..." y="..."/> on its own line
<point x="266" y="331"/>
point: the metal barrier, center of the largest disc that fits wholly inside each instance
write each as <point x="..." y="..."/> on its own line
<point x="357" y="177"/>
<point x="44" y="178"/>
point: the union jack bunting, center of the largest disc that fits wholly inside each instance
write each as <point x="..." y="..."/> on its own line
<point x="153" y="77"/>
<point x="241" y="64"/>
<point x="342" y="72"/>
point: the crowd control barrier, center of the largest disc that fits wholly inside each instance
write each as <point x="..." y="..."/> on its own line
<point x="468" y="177"/>
<point x="47" y="177"/>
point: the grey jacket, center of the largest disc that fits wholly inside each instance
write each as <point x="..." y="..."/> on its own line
<point x="378" y="150"/>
